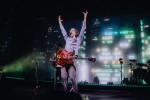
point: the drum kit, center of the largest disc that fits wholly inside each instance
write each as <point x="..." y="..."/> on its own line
<point x="140" y="73"/>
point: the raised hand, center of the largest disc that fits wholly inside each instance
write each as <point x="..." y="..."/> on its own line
<point x="59" y="19"/>
<point x="85" y="14"/>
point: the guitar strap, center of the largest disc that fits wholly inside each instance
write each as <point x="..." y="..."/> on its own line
<point x="74" y="48"/>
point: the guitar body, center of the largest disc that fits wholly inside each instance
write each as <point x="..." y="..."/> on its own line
<point x="65" y="57"/>
<point x="62" y="57"/>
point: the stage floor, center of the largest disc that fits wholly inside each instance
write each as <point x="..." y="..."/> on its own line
<point x="17" y="89"/>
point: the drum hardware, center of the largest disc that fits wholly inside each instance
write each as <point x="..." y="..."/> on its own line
<point x="142" y="72"/>
<point x="121" y="62"/>
<point x="142" y="64"/>
<point x="133" y="60"/>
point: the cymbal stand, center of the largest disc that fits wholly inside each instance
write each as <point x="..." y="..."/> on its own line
<point x="121" y="62"/>
<point x="131" y="67"/>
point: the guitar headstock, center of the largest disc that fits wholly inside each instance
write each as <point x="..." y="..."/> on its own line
<point x="92" y="59"/>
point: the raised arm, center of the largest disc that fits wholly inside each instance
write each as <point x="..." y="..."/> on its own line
<point x="63" y="31"/>
<point x="81" y="32"/>
<point x="83" y="25"/>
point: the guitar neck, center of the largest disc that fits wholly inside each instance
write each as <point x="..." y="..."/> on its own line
<point x="72" y="57"/>
<point x="87" y="58"/>
<point x="81" y="58"/>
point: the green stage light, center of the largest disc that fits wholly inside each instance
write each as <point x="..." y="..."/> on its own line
<point x="109" y="41"/>
<point x="84" y="43"/>
<point x="141" y="22"/>
<point x="17" y="65"/>
<point x="129" y="40"/>
<point x="84" y="37"/>
<point x="143" y="47"/>
<point x="143" y="60"/>
<point x="148" y="38"/>
<point x="142" y="41"/>
<point x="141" y="27"/>
<point x="103" y="41"/>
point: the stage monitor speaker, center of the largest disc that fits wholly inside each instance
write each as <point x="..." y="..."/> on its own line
<point x="109" y="83"/>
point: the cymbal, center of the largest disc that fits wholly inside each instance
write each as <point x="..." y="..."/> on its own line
<point x="133" y="60"/>
<point x="129" y="64"/>
<point x="142" y="64"/>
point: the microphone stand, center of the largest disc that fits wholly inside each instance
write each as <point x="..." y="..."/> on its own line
<point x="36" y="74"/>
<point x="36" y="90"/>
<point x="55" y="69"/>
<point x="121" y="62"/>
<point x="54" y="77"/>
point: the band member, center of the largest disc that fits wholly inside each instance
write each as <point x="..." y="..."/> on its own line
<point x="73" y="41"/>
<point x="58" y="47"/>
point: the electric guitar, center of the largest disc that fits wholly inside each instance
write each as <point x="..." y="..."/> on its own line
<point x="64" y="57"/>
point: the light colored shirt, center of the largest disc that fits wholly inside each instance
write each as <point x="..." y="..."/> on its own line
<point x="72" y="44"/>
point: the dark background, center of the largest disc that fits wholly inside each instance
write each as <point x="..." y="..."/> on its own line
<point x="18" y="17"/>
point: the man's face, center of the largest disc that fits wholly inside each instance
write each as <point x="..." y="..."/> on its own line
<point x="72" y="32"/>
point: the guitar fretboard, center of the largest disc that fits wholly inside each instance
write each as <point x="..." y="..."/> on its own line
<point x="73" y="57"/>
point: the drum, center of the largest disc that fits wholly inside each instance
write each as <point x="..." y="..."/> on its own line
<point x="147" y="77"/>
<point x="139" y="73"/>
